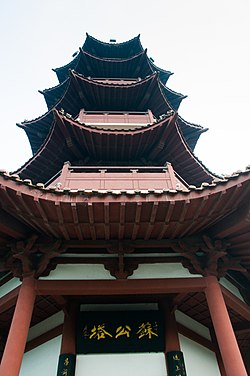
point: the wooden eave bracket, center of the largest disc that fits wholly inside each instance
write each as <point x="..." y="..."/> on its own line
<point x="120" y="267"/>
<point x="33" y="258"/>
<point x="208" y="257"/>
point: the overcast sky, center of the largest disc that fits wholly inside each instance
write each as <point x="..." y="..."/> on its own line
<point x="204" y="42"/>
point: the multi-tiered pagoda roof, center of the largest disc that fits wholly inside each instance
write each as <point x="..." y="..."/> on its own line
<point x="112" y="84"/>
<point x="113" y="161"/>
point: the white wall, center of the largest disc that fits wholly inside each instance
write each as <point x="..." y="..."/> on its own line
<point x="228" y="285"/>
<point x="42" y="360"/>
<point x="96" y="271"/>
<point x="46" y="325"/>
<point x="152" y="364"/>
<point x="192" y="324"/>
<point x="9" y="286"/>
<point x="79" y="272"/>
<point x="198" y="359"/>
<point x="167" y="270"/>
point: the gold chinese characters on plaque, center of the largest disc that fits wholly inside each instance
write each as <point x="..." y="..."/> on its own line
<point x="120" y="331"/>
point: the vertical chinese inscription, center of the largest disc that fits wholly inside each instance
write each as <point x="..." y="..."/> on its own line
<point x="66" y="365"/>
<point x="176" y="365"/>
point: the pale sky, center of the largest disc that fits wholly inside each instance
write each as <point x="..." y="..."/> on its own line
<point x="204" y="42"/>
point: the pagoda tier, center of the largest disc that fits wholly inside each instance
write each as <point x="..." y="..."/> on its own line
<point x="93" y="95"/>
<point x="37" y="130"/>
<point x="113" y="94"/>
<point x="91" y="66"/>
<point x="208" y="227"/>
<point x="147" y="221"/>
<point x="219" y="210"/>
<point x="155" y="144"/>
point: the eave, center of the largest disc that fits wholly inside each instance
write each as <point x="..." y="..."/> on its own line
<point x="120" y="96"/>
<point x="156" y="144"/>
<point x="112" y="50"/>
<point x="91" y="66"/>
<point x="143" y="215"/>
<point x="93" y="221"/>
<point x="93" y="96"/>
<point x="10" y="227"/>
<point x="37" y="129"/>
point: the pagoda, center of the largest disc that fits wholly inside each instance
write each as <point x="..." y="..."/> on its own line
<point x="120" y="251"/>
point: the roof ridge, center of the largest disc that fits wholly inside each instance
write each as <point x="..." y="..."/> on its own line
<point x="112" y="44"/>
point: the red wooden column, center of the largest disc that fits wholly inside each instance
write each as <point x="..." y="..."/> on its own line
<point x="172" y="342"/>
<point x="67" y="358"/>
<point x="16" y="341"/>
<point x="68" y="344"/>
<point x="227" y="342"/>
<point x="218" y="354"/>
<point x="173" y="355"/>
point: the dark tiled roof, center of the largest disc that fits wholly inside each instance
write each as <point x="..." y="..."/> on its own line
<point x="69" y="140"/>
<point x="113" y="50"/>
<point x="91" y="66"/>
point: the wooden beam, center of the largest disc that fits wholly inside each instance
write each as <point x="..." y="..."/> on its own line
<point x="120" y="287"/>
<point x="150" y="225"/>
<point x="195" y="337"/>
<point x="45" y="337"/>
<point x="169" y="213"/>
<point x="232" y="223"/>
<point x="137" y="259"/>
<point x="178" y="299"/>
<point x="12" y="227"/>
<point x="80" y="244"/>
<point x="91" y="221"/>
<point x="60" y="300"/>
<point x="137" y="220"/>
<point x="121" y="225"/>
<point x="236" y="304"/>
<point x="9" y="300"/>
<point x="242" y="327"/>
